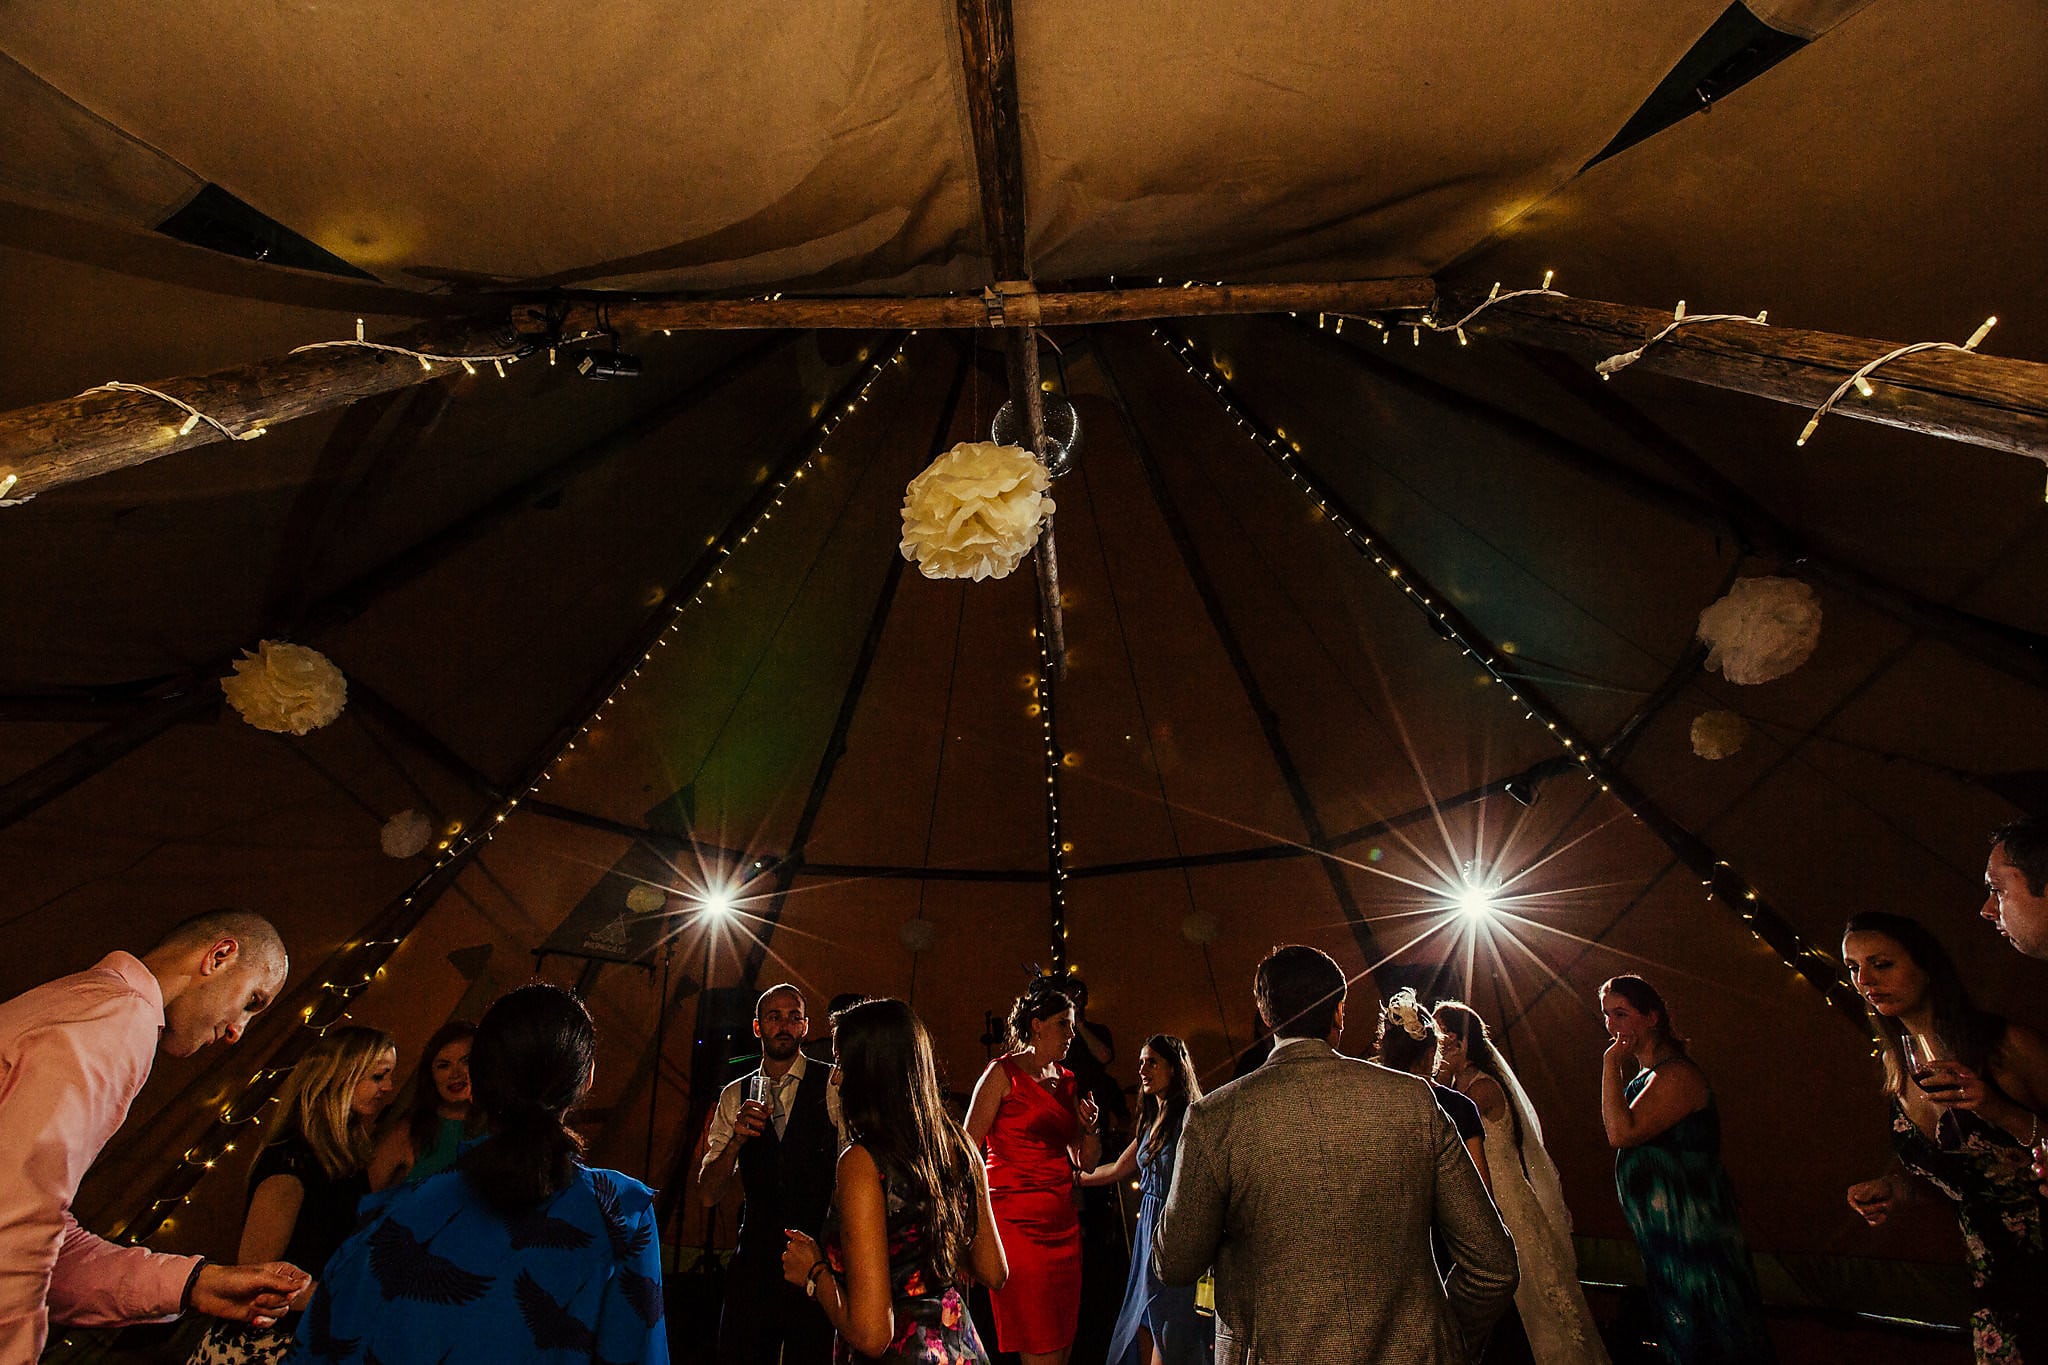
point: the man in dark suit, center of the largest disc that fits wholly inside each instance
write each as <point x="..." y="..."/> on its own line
<point x="783" y="1147"/>
<point x="1312" y="1185"/>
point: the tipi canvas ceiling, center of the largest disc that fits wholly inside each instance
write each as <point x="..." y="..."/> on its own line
<point x="1256" y="719"/>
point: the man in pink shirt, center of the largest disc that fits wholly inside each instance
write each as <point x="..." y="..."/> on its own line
<point x="73" y="1054"/>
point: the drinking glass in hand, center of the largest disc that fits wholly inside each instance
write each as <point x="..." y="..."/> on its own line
<point x="1923" y="1063"/>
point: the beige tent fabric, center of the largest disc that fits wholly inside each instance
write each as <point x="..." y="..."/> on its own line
<point x="1807" y="18"/>
<point x="1882" y="181"/>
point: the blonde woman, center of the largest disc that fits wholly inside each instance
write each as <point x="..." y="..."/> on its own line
<point x="311" y="1170"/>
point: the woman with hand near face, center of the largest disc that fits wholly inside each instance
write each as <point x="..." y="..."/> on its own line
<point x="430" y="1137"/>
<point x="1035" y="1131"/>
<point x="1675" y="1193"/>
<point x="1967" y="1092"/>
<point x="309" y="1175"/>
<point x="1159" y="1324"/>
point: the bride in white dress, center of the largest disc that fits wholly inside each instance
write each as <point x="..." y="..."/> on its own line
<point x="1526" y="1189"/>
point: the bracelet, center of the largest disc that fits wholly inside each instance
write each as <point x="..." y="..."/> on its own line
<point x="191" y="1283"/>
<point x="816" y="1266"/>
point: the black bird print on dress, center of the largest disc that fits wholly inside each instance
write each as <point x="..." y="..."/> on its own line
<point x="643" y="1293"/>
<point x="406" y="1269"/>
<point x="320" y="1327"/>
<point x="627" y="1241"/>
<point x="554" y="1327"/>
<point x="533" y="1228"/>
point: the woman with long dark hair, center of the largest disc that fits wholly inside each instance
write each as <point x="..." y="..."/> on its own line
<point x="440" y="1116"/>
<point x="1676" y="1195"/>
<point x="309" y="1176"/>
<point x="910" y="1220"/>
<point x="519" y="1252"/>
<point x="1967" y="1091"/>
<point x="1525" y="1187"/>
<point x="1159" y="1324"/>
<point x="1035" y="1131"/>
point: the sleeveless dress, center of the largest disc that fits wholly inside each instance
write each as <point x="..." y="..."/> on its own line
<point x="932" y="1324"/>
<point x="1549" y="1301"/>
<point x="1681" y="1207"/>
<point x="1999" y="1206"/>
<point x="1031" y="1186"/>
<point x="1183" y="1335"/>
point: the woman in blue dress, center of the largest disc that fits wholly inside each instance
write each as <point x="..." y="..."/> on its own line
<point x="1159" y="1324"/>
<point x="521" y="1253"/>
<point x="1675" y="1193"/>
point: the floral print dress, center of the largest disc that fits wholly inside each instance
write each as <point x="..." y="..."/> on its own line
<point x="1999" y="1207"/>
<point x="932" y="1325"/>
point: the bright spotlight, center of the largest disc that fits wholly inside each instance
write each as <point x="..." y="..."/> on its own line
<point x="1475" y="902"/>
<point x="717" y="904"/>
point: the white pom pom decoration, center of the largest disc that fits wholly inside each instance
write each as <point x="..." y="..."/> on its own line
<point x="406" y="834"/>
<point x="975" y="512"/>
<point x="286" y="689"/>
<point x="643" y="899"/>
<point x="1763" y="629"/>
<point x="1718" y="734"/>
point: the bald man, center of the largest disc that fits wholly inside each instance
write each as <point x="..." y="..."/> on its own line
<point x="73" y="1055"/>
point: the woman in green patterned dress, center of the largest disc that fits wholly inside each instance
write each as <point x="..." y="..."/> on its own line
<point x="1967" y="1092"/>
<point x="1674" y="1191"/>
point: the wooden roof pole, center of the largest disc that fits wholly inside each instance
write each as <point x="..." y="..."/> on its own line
<point x="48" y="445"/>
<point x="1980" y="399"/>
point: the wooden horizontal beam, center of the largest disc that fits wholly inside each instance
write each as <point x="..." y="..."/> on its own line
<point x="1059" y="308"/>
<point x="52" y="444"/>
<point x="1984" y="400"/>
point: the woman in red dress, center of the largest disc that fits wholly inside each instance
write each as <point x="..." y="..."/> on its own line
<point x="1035" y="1131"/>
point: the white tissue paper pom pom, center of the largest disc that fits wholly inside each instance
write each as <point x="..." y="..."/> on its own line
<point x="643" y="899"/>
<point x="917" y="934"/>
<point x="975" y="513"/>
<point x="1718" y="734"/>
<point x="406" y="834"/>
<point x="1201" y="926"/>
<point x="286" y="689"/>
<point x="1763" y="629"/>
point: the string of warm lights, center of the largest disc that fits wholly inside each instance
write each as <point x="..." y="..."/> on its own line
<point x="1043" y="690"/>
<point x="1720" y="878"/>
<point x="353" y="969"/>
<point x="427" y="359"/>
<point x="1615" y="364"/>
<point x="193" y="415"/>
<point x="1860" y="381"/>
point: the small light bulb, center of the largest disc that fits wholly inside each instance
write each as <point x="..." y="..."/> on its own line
<point x="190" y="422"/>
<point x="1550" y="275"/>
<point x="1980" y="333"/>
<point x="1863" y="387"/>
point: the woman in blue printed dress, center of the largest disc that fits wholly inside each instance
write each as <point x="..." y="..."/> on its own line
<point x="910" y="1219"/>
<point x="1159" y="1324"/>
<point x="521" y="1253"/>
<point x="1967" y="1091"/>
<point x="1675" y="1193"/>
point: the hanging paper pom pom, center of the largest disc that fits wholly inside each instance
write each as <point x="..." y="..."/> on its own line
<point x="1763" y="629"/>
<point x="406" y="834"/>
<point x="975" y="512"/>
<point x="643" y="899"/>
<point x="917" y="934"/>
<point x="286" y="689"/>
<point x="1718" y="734"/>
<point x="1201" y="926"/>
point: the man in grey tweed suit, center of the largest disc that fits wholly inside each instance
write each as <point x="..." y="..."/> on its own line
<point x="1311" y="1185"/>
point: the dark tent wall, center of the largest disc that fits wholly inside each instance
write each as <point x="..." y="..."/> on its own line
<point x="481" y="555"/>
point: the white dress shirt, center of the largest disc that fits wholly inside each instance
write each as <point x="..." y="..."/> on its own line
<point x="781" y="1098"/>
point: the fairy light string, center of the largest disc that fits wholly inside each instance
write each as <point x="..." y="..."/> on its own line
<point x="359" y="964"/>
<point x="1720" y="879"/>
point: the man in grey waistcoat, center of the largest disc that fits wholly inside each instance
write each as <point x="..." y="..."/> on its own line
<point x="1311" y="1186"/>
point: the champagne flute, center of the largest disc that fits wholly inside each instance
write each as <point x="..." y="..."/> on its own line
<point x="1923" y="1063"/>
